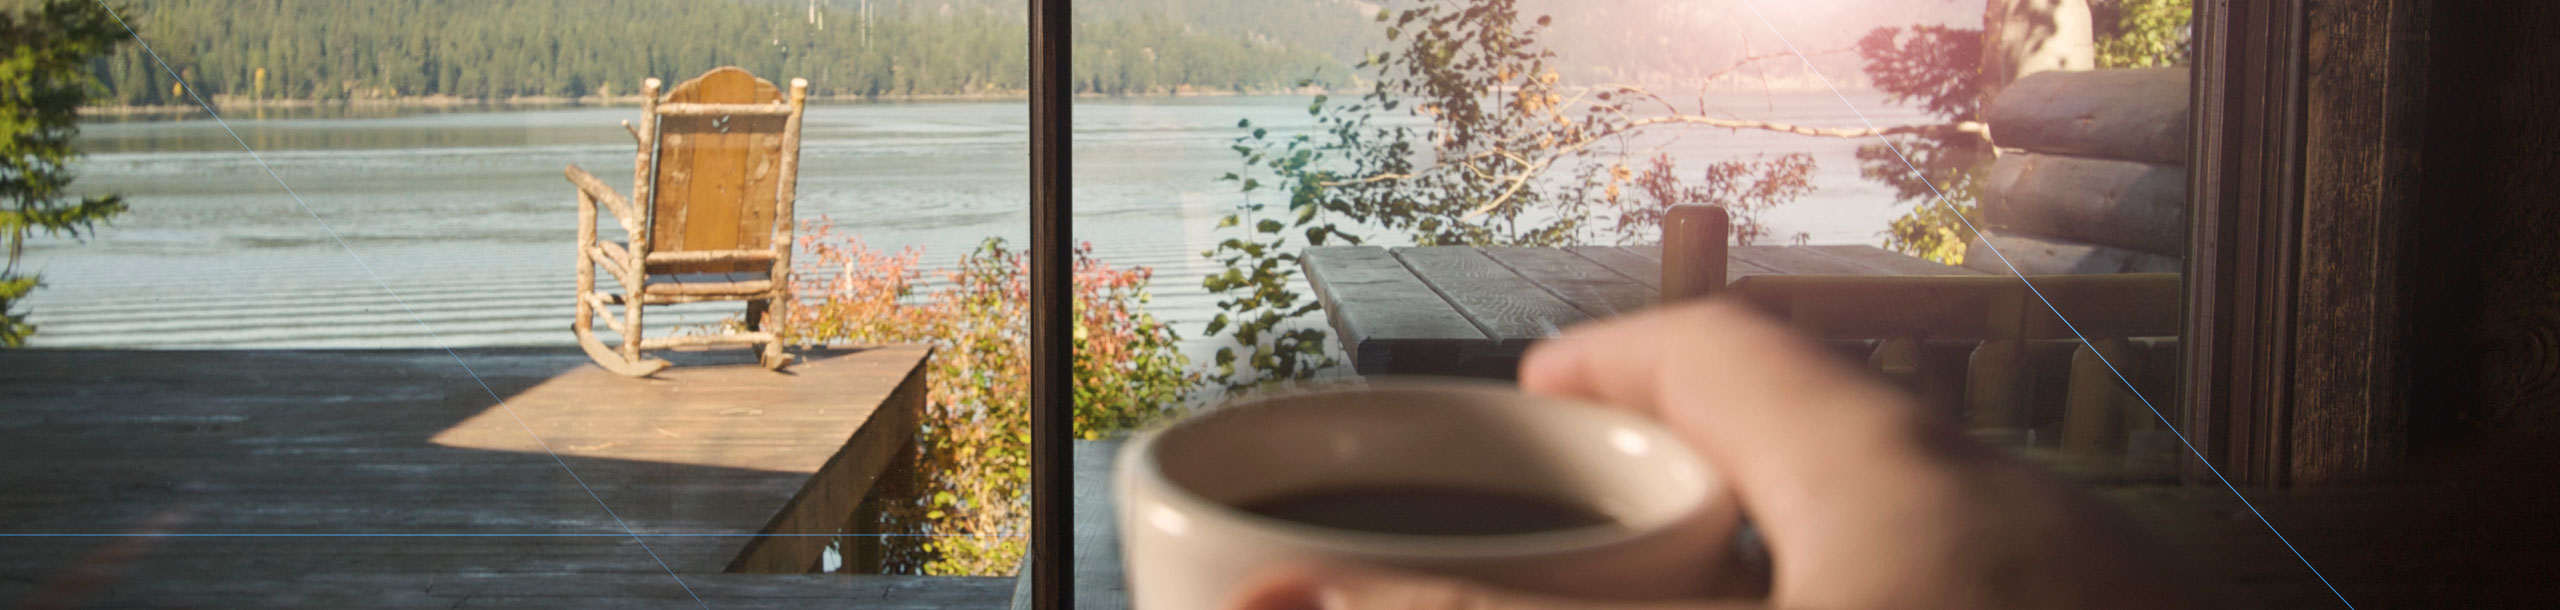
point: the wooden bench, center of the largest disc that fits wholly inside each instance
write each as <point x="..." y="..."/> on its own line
<point x="2000" y="330"/>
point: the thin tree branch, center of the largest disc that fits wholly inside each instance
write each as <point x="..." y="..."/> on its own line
<point x="1974" y="128"/>
<point x="1747" y="60"/>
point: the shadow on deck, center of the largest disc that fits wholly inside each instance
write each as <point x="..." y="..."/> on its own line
<point x="391" y="478"/>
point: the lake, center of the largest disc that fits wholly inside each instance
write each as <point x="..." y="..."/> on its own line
<point x="466" y="216"/>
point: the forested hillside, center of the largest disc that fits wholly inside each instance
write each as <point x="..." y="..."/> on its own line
<point x="498" y="49"/>
<point x="1342" y="28"/>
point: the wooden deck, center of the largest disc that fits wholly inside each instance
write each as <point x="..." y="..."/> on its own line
<point x="398" y="481"/>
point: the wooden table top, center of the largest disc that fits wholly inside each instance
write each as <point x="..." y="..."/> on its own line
<point x="1470" y="311"/>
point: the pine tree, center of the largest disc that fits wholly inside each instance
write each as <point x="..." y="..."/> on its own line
<point x="48" y="75"/>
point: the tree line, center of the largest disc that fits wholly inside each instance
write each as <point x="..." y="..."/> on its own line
<point x="500" y="49"/>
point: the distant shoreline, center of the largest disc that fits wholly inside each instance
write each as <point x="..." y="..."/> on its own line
<point x="229" y="102"/>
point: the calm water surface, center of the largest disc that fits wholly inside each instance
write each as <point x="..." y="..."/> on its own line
<point x="465" y="214"/>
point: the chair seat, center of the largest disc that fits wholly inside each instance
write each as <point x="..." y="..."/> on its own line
<point x="708" y="284"/>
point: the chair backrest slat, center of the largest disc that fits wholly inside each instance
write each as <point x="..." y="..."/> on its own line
<point x="718" y="177"/>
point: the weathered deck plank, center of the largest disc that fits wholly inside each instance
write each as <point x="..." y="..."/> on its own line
<point x="1101" y="579"/>
<point x="338" y="447"/>
<point x="549" y="590"/>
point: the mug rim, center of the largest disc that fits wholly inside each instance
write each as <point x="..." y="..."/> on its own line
<point x="1393" y="546"/>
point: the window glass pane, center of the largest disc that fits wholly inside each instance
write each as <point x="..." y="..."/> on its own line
<point x="1455" y="181"/>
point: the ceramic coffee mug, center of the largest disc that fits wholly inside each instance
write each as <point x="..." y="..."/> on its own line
<point x="1190" y="544"/>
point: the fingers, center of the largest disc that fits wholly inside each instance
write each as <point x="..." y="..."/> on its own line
<point x="1341" y="589"/>
<point x="1827" y="461"/>
<point x="1738" y="386"/>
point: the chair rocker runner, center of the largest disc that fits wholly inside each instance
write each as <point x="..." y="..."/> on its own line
<point x="709" y="219"/>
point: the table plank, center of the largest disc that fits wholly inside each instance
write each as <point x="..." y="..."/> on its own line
<point x="1887" y="260"/>
<point x="1633" y="266"/>
<point x="1497" y="299"/>
<point x="1586" y="285"/>
<point x="1379" y="309"/>
<point x="1651" y="252"/>
<point x="1795" y="260"/>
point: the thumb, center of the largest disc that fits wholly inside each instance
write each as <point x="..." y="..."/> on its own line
<point x="1338" y="589"/>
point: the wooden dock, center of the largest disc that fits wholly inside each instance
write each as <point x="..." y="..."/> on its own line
<point x="392" y="478"/>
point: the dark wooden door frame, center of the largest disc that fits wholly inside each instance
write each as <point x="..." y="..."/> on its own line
<point x="1052" y="397"/>
<point x="2306" y="117"/>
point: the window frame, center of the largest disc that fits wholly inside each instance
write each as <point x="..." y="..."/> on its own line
<point x="2304" y="116"/>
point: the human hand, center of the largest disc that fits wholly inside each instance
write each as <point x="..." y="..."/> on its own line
<point x="1864" y="499"/>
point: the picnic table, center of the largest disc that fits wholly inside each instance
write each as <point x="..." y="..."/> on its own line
<point x="1471" y="311"/>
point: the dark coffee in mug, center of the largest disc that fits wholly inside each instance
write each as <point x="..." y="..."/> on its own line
<point x="1428" y="510"/>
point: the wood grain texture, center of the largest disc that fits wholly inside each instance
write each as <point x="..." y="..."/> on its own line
<point x="2135" y="114"/>
<point x="718" y="175"/>
<point x="1587" y="286"/>
<point x="1694" y="251"/>
<point x="1792" y="260"/>
<point x="2246" y="173"/>
<point x="2487" y="324"/>
<point x="1506" y="306"/>
<point x="843" y="483"/>
<point x="1101" y="581"/>
<point x="1387" y="320"/>
<point x="1101" y="584"/>
<point x="551" y="590"/>
<point x="2131" y="205"/>
<point x="1392" y="320"/>
<point x="403" y="442"/>
<point x="1634" y="267"/>
<point x="2360" y="181"/>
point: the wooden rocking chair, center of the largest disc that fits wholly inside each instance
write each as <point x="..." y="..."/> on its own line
<point x="709" y="218"/>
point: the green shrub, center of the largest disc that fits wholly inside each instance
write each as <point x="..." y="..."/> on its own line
<point x="974" y="447"/>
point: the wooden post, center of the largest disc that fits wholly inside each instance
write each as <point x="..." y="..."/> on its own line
<point x="644" y="168"/>
<point x="2093" y="420"/>
<point x="1995" y="377"/>
<point x="1693" y="251"/>
<point x="785" y="225"/>
<point x="585" y="323"/>
<point x="1906" y="361"/>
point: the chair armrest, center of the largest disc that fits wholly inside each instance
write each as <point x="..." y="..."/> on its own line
<point x="613" y="202"/>
<point x="1693" y="251"/>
